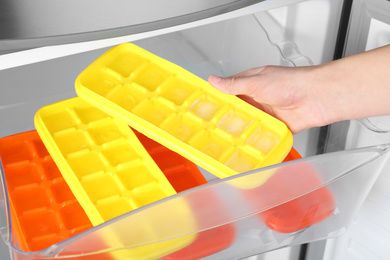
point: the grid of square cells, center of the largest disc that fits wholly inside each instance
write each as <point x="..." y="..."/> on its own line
<point x="109" y="162"/>
<point x="45" y="209"/>
<point x="188" y="112"/>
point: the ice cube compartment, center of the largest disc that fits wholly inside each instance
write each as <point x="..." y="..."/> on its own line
<point x="183" y="112"/>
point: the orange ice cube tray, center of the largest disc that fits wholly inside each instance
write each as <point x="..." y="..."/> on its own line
<point x="101" y="159"/>
<point x="44" y="211"/>
<point x="219" y="132"/>
<point x="298" y="213"/>
<point x="54" y="214"/>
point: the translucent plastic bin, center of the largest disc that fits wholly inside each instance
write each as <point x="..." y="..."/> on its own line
<point x="219" y="132"/>
<point x="348" y="175"/>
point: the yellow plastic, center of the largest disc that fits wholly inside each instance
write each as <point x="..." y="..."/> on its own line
<point x="109" y="172"/>
<point x="101" y="159"/>
<point x="220" y="132"/>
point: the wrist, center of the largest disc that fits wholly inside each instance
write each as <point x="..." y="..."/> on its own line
<point x="352" y="88"/>
<point x="323" y="95"/>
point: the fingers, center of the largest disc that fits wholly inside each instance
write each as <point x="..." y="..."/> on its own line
<point x="233" y="85"/>
<point x="249" y="73"/>
<point x="242" y="83"/>
<point x="222" y="84"/>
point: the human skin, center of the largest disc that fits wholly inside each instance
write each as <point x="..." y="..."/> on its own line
<point x="304" y="97"/>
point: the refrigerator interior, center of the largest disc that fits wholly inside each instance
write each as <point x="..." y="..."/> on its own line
<point x="307" y="35"/>
<point x="367" y="237"/>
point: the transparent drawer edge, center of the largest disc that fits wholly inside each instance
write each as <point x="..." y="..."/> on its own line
<point x="244" y="208"/>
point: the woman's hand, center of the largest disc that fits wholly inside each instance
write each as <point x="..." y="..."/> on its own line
<point x="304" y="97"/>
<point x="288" y="94"/>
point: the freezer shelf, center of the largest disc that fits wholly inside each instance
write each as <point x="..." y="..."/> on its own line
<point x="219" y="132"/>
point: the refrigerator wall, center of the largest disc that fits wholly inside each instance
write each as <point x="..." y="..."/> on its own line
<point x="368" y="236"/>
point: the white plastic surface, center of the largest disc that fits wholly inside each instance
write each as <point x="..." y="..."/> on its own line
<point x="52" y="52"/>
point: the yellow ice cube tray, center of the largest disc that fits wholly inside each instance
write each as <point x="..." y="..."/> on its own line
<point x="221" y="133"/>
<point x="101" y="159"/>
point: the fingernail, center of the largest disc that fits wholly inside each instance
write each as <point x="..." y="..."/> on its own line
<point x="214" y="80"/>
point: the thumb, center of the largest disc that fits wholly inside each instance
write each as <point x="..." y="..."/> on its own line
<point x="232" y="85"/>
